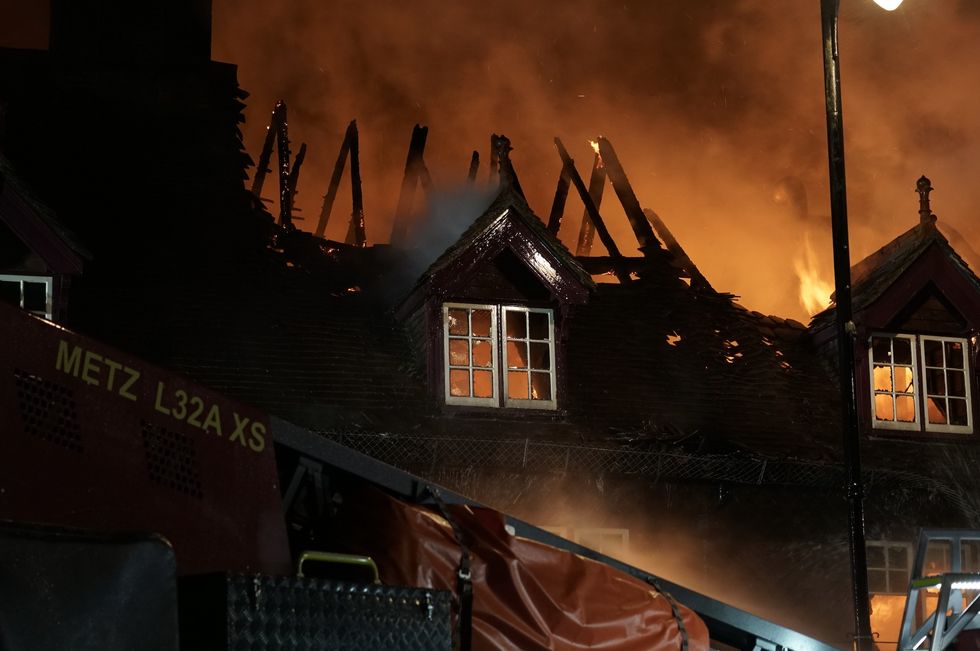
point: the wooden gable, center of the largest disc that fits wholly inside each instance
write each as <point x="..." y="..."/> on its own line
<point x="930" y="312"/>
<point x="895" y="282"/>
<point x="934" y="274"/>
<point x="917" y="287"/>
<point x="507" y="240"/>
<point x="506" y="259"/>
<point x="506" y="253"/>
<point x="29" y="236"/>
<point x="506" y="278"/>
<point x="38" y="257"/>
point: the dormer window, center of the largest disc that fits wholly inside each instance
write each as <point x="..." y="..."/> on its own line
<point x="487" y="317"/>
<point x="32" y="293"/>
<point x="470" y="353"/>
<point x="947" y="384"/>
<point x="920" y="383"/>
<point x="499" y="356"/>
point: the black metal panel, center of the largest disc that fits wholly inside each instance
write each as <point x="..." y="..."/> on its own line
<point x="62" y="589"/>
<point x="241" y="612"/>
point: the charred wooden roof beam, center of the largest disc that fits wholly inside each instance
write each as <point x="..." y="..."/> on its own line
<point x="594" y="215"/>
<point x="282" y="149"/>
<point x="697" y="279"/>
<point x="294" y="180"/>
<point x="474" y="167"/>
<point x="413" y="174"/>
<point x="508" y="175"/>
<point x="558" y="205"/>
<point x="638" y="221"/>
<point x="597" y="183"/>
<point x="356" y="235"/>
<point x="262" y="169"/>
<point x="494" y="178"/>
<point x="338" y="172"/>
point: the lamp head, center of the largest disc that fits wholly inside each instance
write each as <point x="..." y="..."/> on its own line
<point x="888" y="5"/>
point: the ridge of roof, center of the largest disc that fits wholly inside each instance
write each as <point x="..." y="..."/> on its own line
<point x="511" y="202"/>
<point x="9" y="176"/>
<point x="872" y="275"/>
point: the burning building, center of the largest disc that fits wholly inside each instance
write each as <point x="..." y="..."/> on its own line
<point x="620" y="400"/>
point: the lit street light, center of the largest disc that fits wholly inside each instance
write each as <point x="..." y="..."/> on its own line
<point x="844" y="325"/>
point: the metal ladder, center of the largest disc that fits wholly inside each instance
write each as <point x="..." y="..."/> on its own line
<point x="951" y="616"/>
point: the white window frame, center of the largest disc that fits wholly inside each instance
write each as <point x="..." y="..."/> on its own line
<point x="909" y="559"/>
<point x="48" y="291"/>
<point x="916" y="424"/>
<point x="517" y="402"/>
<point x="919" y="383"/>
<point x="499" y="361"/>
<point x="492" y="401"/>
<point x="939" y="427"/>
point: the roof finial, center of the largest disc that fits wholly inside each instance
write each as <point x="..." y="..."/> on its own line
<point x="924" y="186"/>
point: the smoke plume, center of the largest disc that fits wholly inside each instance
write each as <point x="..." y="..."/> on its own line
<point x="711" y="105"/>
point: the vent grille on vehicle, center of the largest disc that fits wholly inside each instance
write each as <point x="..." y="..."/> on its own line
<point x="171" y="459"/>
<point x="48" y="411"/>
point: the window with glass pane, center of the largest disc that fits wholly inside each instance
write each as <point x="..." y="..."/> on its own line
<point x="525" y="377"/>
<point x="893" y="382"/>
<point x="938" y="557"/>
<point x="970" y="556"/>
<point x="889" y="565"/>
<point x="33" y="293"/>
<point x="946" y="384"/>
<point x="529" y="358"/>
<point x="470" y="334"/>
<point x="921" y="383"/>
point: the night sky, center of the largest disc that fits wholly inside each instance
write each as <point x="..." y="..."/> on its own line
<point x="715" y="108"/>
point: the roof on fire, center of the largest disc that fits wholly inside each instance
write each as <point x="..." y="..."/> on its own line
<point x="873" y="275"/>
<point x="655" y="361"/>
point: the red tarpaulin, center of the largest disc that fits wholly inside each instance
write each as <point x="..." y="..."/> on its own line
<point x="526" y="595"/>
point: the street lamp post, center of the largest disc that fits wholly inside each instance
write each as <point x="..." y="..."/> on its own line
<point x="844" y="324"/>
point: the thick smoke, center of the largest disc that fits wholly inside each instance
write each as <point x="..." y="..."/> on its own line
<point x="711" y="105"/>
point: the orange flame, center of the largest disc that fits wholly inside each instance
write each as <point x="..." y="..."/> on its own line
<point x="595" y="147"/>
<point x="814" y="290"/>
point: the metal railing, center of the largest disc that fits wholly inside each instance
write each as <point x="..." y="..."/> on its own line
<point x="956" y="593"/>
<point x="427" y="454"/>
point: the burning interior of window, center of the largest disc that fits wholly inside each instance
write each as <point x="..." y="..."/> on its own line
<point x="889" y="564"/>
<point x="920" y="383"/>
<point x="493" y="366"/>
<point x="889" y="569"/>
